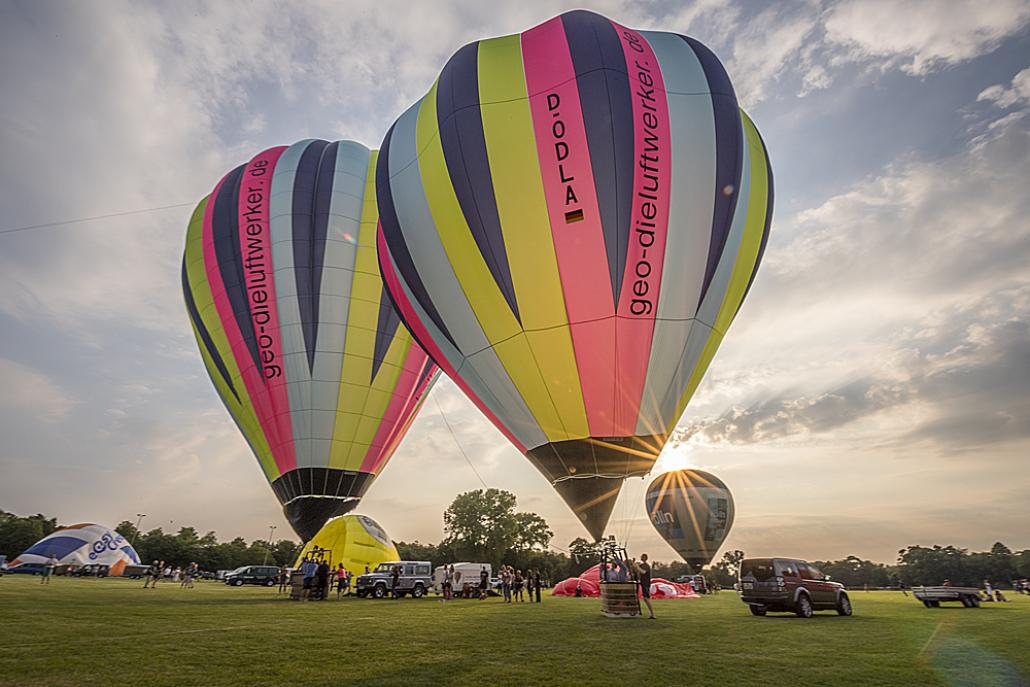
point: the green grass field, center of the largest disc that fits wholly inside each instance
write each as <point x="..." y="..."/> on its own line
<point x="89" y="632"/>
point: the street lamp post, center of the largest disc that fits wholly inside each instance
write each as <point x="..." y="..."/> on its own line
<point x="135" y="533"/>
<point x="271" y="530"/>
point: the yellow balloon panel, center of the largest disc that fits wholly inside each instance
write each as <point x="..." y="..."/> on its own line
<point x="354" y="540"/>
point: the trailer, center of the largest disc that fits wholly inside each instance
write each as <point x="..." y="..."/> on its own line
<point x="933" y="596"/>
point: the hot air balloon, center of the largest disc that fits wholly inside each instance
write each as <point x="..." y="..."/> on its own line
<point x="570" y="220"/>
<point x="283" y="290"/>
<point x="693" y="511"/>
<point x="357" y="541"/>
<point x="83" y="544"/>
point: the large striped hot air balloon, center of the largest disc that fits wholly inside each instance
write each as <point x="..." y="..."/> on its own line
<point x="571" y="218"/>
<point x="283" y="289"/>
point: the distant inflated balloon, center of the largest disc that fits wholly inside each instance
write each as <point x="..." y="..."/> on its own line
<point x="283" y="289"/>
<point x="693" y="511"/>
<point x="571" y="218"/>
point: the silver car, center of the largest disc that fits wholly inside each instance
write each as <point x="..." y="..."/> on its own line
<point x="416" y="578"/>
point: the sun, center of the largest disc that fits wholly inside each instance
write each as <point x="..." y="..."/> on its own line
<point x="678" y="458"/>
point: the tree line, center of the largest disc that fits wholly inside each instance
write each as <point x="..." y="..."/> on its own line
<point x="485" y="526"/>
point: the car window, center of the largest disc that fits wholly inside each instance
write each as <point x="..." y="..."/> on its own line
<point x="422" y="570"/>
<point x="760" y="569"/>
<point x="786" y="569"/>
<point x="409" y="569"/>
<point x="809" y="571"/>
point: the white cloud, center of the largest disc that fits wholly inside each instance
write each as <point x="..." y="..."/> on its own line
<point x="921" y="35"/>
<point x="1017" y="93"/>
<point x="882" y="305"/>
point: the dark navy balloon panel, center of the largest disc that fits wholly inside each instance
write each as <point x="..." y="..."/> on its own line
<point x="282" y="287"/>
<point x="571" y="218"/>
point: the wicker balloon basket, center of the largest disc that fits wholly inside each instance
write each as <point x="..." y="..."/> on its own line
<point x="619" y="600"/>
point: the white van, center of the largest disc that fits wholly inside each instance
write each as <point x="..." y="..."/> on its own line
<point x="464" y="573"/>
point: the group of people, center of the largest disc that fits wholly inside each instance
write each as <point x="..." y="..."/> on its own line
<point x="319" y="579"/>
<point x="513" y="582"/>
<point x="989" y="592"/>
<point x="158" y="571"/>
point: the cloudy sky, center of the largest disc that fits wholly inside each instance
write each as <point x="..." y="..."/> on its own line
<point x="874" y="391"/>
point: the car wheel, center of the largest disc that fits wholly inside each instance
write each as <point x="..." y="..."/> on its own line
<point x="974" y="602"/>
<point x="270" y="582"/>
<point x="379" y="591"/>
<point x="757" y="610"/>
<point x="928" y="603"/>
<point x="418" y="591"/>
<point x="237" y="583"/>
<point x="843" y="605"/>
<point x="804" y="607"/>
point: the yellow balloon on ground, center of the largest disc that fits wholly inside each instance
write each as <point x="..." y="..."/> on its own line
<point x="355" y="541"/>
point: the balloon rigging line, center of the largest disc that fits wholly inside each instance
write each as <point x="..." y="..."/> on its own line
<point x="13" y="230"/>
<point x="469" y="460"/>
<point x="456" y="442"/>
<point x="636" y="511"/>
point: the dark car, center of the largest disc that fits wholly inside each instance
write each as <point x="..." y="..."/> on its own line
<point x="91" y="570"/>
<point x="268" y="575"/>
<point x="27" y="569"/>
<point x="789" y="585"/>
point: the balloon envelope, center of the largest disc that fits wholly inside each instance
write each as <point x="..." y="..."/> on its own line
<point x="589" y="582"/>
<point x="354" y="540"/>
<point x="570" y="220"/>
<point x="283" y="290"/>
<point x="693" y="511"/>
<point x="82" y="544"/>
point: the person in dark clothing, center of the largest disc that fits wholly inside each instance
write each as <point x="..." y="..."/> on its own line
<point x="643" y="571"/>
<point x="322" y="580"/>
<point x="395" y="580"/>
<point x="536" y="583"/>
<point x="484" y="582"/>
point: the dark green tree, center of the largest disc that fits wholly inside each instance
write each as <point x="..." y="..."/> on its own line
<point x="482" y="525"/>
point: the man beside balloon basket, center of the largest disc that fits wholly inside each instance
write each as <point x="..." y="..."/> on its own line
<point x="620" y="578"/>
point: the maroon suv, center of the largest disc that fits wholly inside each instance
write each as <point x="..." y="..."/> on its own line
<point x="789" y="585"/>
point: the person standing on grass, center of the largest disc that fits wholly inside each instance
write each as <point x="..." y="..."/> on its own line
<point x="149" y="577"/>
<point x="395" y="581"/>
<point x="323" y="580"/>
<point x="643" y="571"/>
<point x="307" y="570"/>
<point x="284" y="578"/>
<point x="536" y="583"/>
<point x="508" y="581"/>
<point x="48" y="569"/>
<point x="484" y="581"/>
<point x="445" y="585"/>
<point x="518" y="586"/>
<point x="341" y="580"/>
<point x="158" y="569"/>
<point x="187" y="577"/>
